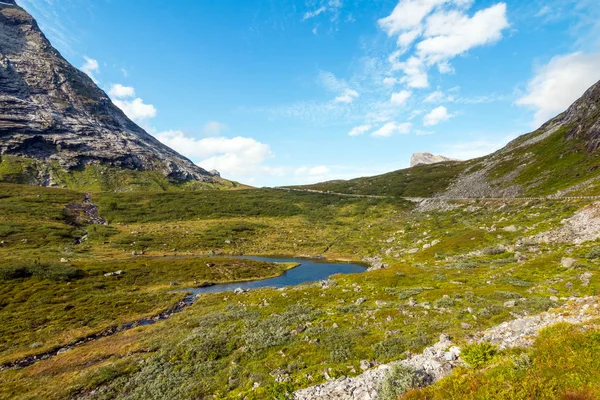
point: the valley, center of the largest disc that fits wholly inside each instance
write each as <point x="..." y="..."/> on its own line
<point x="129" y="272"/>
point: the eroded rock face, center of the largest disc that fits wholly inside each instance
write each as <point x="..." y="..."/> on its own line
<point x="427" y="158"/>
<point x="51" y="111"/>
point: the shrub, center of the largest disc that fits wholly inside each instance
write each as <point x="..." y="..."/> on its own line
<point x="390" y="348"/>
<point x="477" y="354"/>
<point x="594" y="253"/>
<point x="51" y="271"/>
<point x="493" y="250"/>
<point x="398" y="381"/>
<point x="14" y="272"/>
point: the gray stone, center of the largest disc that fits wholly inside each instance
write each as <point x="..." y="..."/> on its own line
<point x="52" y="112"/>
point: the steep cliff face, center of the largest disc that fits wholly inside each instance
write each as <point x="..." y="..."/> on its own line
<point x="54" y="113"/>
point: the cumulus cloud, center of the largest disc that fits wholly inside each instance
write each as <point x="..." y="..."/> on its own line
<point x="119" y="91"/>
<point x="439" y="30"/>
<point x="400" y="98"/>
<point x="233" y="157"/>
<point x="559" y="83"/>
<point x="90" y="67"/>
<point x="452" y="33"/>
<point x="436" y="116"/>
<point x="392" y="128"/>
<point x="136" y="109"/>
<point x="359" y="130"/>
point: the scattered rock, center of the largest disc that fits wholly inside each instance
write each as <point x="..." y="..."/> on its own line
<point x="365" y="365"/>
<point x="359" y="301"/>
<point x="567" y="262"/>
<point x="510" y="228"/>
<point x="510" y="303"/>
<point x="64" y="260"/>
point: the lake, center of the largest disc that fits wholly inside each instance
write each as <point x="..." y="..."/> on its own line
<point x="309" y="270"/>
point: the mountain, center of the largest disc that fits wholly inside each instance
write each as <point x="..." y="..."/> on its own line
<point x="427" y="158"/>
<point x="57" y="127"/>
<point x="560" y="158"/>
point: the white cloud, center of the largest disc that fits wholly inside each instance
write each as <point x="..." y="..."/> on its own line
<point x="119" y="91"/>
<point x="434" y="97"/>
<point x="400" y="98"/>
<point x="233" y="157"/>
<point x="214" y="128"/>
<point x="347" y="97"/>
<point x="359" y="130"/>
<point x="407" y="15"/>
<point x="452" y="33"/>
<point x="312" y="14"/>
<point x="559" y="83"/>
<point x="436" y="116"/>
<point x="392" y="128"/>
<point x="390" y="81"/>
<point x="90" y="67"/>
<point x="414" y="69"/>
<point x="136" y="109"/>
<point x="439" y="30"/>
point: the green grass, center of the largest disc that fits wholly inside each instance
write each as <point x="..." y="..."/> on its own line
<point x="563" y="364"/>
<point x="226" y="343"/>
<point x="420" y="181"/>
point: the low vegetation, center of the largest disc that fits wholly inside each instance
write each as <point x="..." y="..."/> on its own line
<point x="451" y="271"/>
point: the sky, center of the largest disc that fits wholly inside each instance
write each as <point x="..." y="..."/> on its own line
<point x="272" y="92"/>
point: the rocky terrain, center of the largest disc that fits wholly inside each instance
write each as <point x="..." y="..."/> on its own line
<point x="437" y="361"/>
<point x="427" y="158"/>
<point x="53" y="113"/>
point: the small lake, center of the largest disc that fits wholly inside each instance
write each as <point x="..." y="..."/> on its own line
<point x="308" y="271"/>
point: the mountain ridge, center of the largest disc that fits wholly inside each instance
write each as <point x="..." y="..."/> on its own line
<point x="560" y="157"/>
<point x="51" y="113"/>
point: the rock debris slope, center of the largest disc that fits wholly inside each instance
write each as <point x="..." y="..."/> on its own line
<point x="51" y="111"/>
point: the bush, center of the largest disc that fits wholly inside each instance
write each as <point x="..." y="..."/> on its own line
<point x="594" y="253"/>
<point x="493" y="250"/>
<point x="477" y="354"/>
<point x="390" y="348"/>
<point x="51" y="271"/>
<point x="14" y="272"/>
<point x="398" y="381"/>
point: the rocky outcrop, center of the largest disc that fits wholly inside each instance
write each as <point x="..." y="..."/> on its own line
<point x="53" y="112"/>
<point x="439" y="360"/>
<point x="582" y="227"/>
<point x="427" y="158"/>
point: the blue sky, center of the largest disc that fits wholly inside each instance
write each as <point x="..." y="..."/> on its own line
<point x="273" y="92"/>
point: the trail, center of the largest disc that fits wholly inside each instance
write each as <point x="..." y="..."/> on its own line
<point x="441" y="199"/>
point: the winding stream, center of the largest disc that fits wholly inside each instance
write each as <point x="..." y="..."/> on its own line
<point x="309" y="270"/>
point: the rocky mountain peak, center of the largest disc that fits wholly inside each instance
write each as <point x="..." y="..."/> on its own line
<point x="427" y="158"/>
<point x="51" y="111"/>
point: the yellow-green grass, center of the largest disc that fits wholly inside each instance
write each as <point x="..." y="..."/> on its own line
<point x="563" y="364"/>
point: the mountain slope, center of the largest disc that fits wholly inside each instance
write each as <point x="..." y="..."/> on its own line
<point x="561" y="157"/>
<point x="53" y="118"/>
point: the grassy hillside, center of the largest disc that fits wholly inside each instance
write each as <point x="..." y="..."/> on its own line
<point x="419" y="181"/>
<point x="97" y="177"/>
<point x="557" y="164"/>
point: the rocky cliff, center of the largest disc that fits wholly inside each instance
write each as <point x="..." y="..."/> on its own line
<point x="54" y="113"/>
<point x="427" y="158"/>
